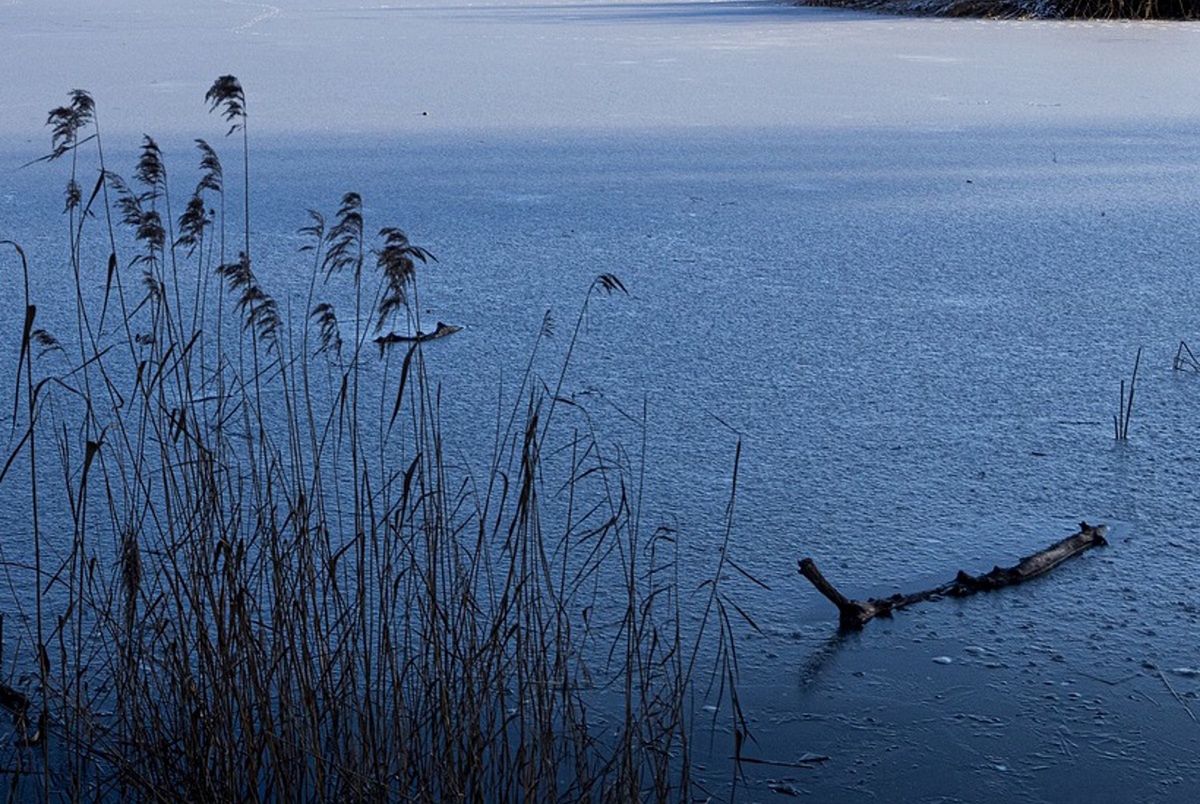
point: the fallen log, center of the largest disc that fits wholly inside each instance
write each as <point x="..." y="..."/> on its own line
<point x="855" y="614"/>
<point x="441" y="331"/>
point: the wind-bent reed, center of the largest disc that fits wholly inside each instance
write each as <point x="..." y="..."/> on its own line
<point x="266" y="581"/>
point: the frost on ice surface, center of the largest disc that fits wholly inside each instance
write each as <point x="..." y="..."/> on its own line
<point x="345" y="66"/>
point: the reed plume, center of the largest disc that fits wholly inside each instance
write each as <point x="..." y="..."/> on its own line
<point x="275" y="578"/>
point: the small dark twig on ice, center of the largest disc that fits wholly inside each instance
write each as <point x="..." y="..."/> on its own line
<point x="1177" y="696"/>
<point x="1184" y="359"/>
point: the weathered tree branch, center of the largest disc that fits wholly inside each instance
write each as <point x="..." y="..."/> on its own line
<point x="856" y="613"/>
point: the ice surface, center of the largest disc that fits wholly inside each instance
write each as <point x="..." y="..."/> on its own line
<point x="909" y="260"/>
<point x="341" y="66"/>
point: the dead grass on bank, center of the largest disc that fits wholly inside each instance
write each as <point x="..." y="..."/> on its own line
<point x="1020" y="9"/>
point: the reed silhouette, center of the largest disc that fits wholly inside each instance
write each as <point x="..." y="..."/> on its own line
<point x="266" y="579"/>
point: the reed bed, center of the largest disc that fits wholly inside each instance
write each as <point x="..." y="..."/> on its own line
<point x="252" y="571"/>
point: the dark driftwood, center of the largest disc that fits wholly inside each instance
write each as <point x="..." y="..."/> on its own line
<point x="856" y="613"/>
<point x="441" y="331"/>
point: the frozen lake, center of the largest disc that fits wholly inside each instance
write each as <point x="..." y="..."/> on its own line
<point x="908" y="260"/>
<point x="341" y="67"/>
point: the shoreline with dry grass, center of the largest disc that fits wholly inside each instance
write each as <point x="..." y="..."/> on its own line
<point x="1025" y="9"/>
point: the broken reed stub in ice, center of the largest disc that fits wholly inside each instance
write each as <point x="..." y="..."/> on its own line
<point x="856" y="613"/>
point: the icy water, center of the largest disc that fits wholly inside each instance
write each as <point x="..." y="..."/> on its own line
<point x="907" y="261"/>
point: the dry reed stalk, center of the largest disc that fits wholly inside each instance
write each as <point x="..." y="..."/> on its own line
<point x="275" y="584"/>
